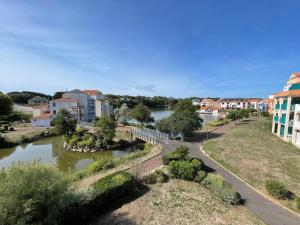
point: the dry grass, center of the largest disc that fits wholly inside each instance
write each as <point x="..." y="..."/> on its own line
<point x="178" y="202"/>
<point x="251" y="151"/>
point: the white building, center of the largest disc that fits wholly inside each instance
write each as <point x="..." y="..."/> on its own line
<point x="84" y="105"/>
<point x="233" y="103"/>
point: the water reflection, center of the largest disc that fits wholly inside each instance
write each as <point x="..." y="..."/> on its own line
<point x="50" y="151"/>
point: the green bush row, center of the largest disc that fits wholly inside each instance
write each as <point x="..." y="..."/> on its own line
<point x="219" y="122"/>
<point x="106" y="192"/>
<point x="221" y="189"/>
<point x="182" y="167"/>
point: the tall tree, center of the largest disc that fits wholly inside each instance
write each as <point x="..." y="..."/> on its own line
<point x="141" y="114"/>
<point x="6" y="104"/>
<point x="105" y="129"/>
<point x="65" y="122"/>
<point x="183" y="121"/>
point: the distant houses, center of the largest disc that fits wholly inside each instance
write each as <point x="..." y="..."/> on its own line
<point x="37" y="100"/>
<point x="84" y="105"/>
<point x="212" y="105"/>
<point x="286" y="116"/>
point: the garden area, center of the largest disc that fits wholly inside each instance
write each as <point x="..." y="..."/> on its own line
<point x="250" y="147"/>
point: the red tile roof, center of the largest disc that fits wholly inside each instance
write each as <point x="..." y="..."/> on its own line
<point x="292" y="93"/>
<point x="91" y="92"/>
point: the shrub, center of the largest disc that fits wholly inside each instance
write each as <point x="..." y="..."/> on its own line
<point x="31" y="194"/>
<point x="157" y="176"/>
<point x="181" y="153"/>
<point x="200" y="176"/>
<point x="182" y="170"/>
<point x="107" y="191"/>
<point x="221" y="189"/>
<point x="277" y="189"/>
<point x="298" y="203"/>
<point x="228" y="194"/>
<point x="197" y="164"/>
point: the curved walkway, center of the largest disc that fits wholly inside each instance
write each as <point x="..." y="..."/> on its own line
<point x="268" y="211"/>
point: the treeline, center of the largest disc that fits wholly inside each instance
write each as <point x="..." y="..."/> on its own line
<point x="156" y="102"/>
<point x="23" y="96"/>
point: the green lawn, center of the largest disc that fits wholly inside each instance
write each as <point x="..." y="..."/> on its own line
<point x="251" y="151"/>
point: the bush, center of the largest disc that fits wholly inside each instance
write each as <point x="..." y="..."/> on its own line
<point x="221" y="189"/>
<point x="277" y="189"/>
<point x="228" y="194"/>
<point x="219" y="122"/>
<point x="197" y="164"/>
<point x="182" y="170"/>
<point x="104" y="193"/>
<point x="31" y="194"/>
<point x="200" y="176"/>
<point x="181" y="153"/>
<point x="298" y="203"/>
<point x="157" y="176"/>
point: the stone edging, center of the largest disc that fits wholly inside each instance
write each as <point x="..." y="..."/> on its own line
<point x="246" y="183"/>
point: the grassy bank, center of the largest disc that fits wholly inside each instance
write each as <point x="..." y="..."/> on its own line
<point x="252" y="152"/>
<point x="109" y="163"/>
<point x="26" y="135"/>
<point x="178" y="202"/>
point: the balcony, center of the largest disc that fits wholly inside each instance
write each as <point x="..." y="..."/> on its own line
<point x="291" y="123"/>
<point x="284" y="106"/>
<point x="282" y="120"/>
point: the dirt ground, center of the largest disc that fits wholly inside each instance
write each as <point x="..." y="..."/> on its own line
<point x="178" y="202"/>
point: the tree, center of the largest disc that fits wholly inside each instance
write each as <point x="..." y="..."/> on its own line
<point x="105" y="129"/>
<point x="6" y="104"/>
<point x="122" y="114"/>
<point x="58" y="94"/>
<point x="65" y="122"/>
<point x="141" y="114"/>
<point x="32" y="194"/>
<point x="183" y="121"/>
<point x="24" y="96"/>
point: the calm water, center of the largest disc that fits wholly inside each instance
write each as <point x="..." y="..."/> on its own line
<point x="50" y="151"/>
<point x="158" y="115"/>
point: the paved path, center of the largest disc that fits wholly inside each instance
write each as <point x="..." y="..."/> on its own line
<point x="268" y="211"/>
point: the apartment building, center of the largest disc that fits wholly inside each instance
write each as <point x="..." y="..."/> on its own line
<point x="286" y="116"/>
<point x="84" y="105"/>
<point x="233" y="103"/>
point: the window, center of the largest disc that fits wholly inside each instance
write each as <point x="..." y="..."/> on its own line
<point x="239" y="103"/>
<point x="54" y="112"/>
<point x="53" y="104"/>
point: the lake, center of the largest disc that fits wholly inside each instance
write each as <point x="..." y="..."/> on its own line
<point x="50" y="151"/>
<point x="158" y="115"/>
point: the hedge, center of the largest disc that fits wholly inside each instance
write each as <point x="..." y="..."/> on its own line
<point x="221" y="189"/>
<point x="157" y="176"/>
<point x="107" y="191"/>
<point x="182" y="170"/>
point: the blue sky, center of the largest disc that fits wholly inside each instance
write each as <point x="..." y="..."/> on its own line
<point x="232" y="48"/>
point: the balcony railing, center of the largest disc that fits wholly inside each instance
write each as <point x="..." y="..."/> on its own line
<point x="282" y="120"/>
<point x="291" y="123"/>
<point x="284" y="106"/>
